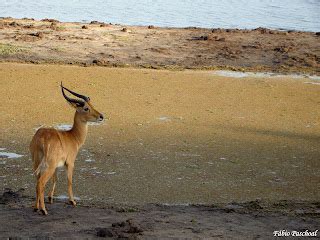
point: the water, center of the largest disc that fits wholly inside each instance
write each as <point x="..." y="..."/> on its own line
<point x="9" y="154"/>
<point x="66" y="127"/>
<point x="284" y="14"/>
<point x="63" y="127"/>
<point x="236" y="74"/>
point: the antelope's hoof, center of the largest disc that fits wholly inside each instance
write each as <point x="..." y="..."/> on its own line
<point x="50" y="200"/>
<point x="73" y="202"/>
<point x="44" y="212"/>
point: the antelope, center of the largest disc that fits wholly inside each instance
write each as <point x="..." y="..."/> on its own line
<point x="51" y="148"/>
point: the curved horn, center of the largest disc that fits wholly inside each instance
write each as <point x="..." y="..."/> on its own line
<point x="76" y="94"/>
<point x="76" y="101"/>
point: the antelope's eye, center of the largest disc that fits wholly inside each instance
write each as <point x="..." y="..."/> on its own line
<point x="86" y="109"/>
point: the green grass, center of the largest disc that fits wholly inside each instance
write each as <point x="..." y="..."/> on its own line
<point x="58" y="49"/>
<point x="8" y="49"/>
<point x="61" y="28"/>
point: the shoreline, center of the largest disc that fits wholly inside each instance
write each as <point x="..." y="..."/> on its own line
<point x="154" y="25"/>
<point x="254" y="219"/>
<point x="49" y="41"/>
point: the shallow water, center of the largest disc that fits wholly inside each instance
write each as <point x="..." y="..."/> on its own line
<point x="65" y="197"/>
<point x="237" y="74"/>
<point x="285" y="14"/>
<point x="66" y="127"/>
<point x="9" y="154"/>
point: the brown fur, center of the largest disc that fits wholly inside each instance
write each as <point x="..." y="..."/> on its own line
<point x="51" y="148"/>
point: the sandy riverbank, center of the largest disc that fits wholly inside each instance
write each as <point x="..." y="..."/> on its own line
<point x="175" y="137"/>
<point x="103" y="44"/>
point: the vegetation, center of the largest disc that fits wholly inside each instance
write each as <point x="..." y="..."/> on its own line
<point x="8" y="49"/>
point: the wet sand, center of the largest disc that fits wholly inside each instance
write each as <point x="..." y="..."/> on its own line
<point x="104" y="44"/>
<point x="250" y="220"/>
<point x="171" y="137"/>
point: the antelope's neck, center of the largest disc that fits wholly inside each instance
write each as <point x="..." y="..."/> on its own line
<point x="79" y="129"/>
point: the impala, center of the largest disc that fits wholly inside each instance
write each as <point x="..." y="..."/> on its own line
<point x="51" y="148"/>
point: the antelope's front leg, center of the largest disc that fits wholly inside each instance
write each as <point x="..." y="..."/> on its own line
<point x="70" y="172"/>
<point x="51" y="193"/>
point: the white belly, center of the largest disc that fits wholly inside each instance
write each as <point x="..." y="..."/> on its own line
<point x="61" y="163"/>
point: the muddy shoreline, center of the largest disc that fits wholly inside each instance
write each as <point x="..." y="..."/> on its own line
<point x="114" y="45"/>
<point x="254" y="220"/>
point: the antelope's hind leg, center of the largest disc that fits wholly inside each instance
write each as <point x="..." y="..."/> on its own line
<point x="37" y="158"/>
<point x="44" y="178"/>
<point x="37" y="204"/>
<point x="51" y="193"/>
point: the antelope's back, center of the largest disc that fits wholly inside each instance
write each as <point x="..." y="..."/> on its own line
<point x="44" y="140"/>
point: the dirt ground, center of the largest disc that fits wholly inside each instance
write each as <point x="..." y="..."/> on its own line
<point x="104" y="44"/>
<point x="182" y="153"/>
<point x="249" y="220"/>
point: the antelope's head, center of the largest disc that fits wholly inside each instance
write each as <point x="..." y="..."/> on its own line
<point x="83" y="106"/>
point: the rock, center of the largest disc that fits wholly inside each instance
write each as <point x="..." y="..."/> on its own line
<point x="135" y="229"/>
<point x="282" y="49"/>
<point x="28" y="26"/>
<point x="10" y="196"/>
<point x="204" y="38"/>
<point x="14" y="24"/>
<point x="150" y="27"/>
<point x="124" y="29"/>
<point x="84" y="27"/>
<point x="37" y="34"/>
<point x="317" y="33"/>
<point x="122" y="229"/>
<point x="262" y="30"/>
<point x="118" y="224"/>
<point x="104" y="25"/>
<point x="100" y="62"/>
<point x="96" y="22"/>
<point x="49" y="20"/>
<point x="217" y="30"/>
<point x="104" y="232"/>
<point x="53" y="26"/>
<point x="253" y="205"/>
<point x="28" y="19"/>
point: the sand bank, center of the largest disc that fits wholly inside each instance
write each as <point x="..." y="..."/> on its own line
<point x="104" y="44"/>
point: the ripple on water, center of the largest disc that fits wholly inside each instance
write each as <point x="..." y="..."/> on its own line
<point x="284" y="14"/>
